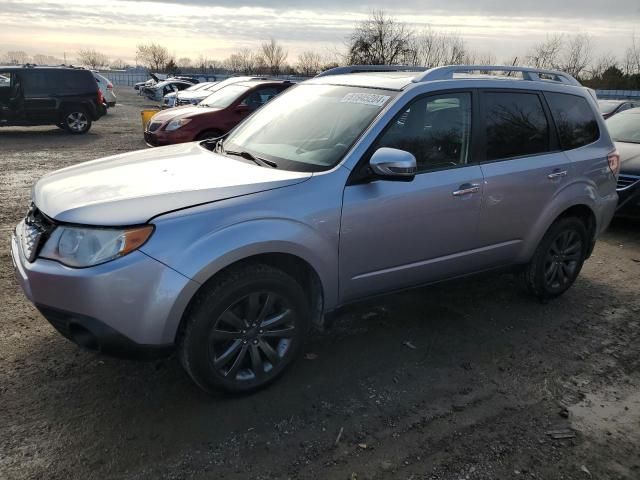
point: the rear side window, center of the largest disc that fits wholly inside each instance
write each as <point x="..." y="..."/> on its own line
<point x="515" y="125"/>
<point x="53" y="82"/>
<point x="575" y="120"/>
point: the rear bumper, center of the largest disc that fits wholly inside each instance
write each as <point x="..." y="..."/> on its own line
<point x="133" y="304"/>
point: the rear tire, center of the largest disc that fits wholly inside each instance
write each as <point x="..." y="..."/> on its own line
<point x="558" y="259"/>
<point x="76" y="121"/>
<point x="244" y="329"/>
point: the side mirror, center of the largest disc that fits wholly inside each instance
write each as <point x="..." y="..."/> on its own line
<point x="393" y="164"/>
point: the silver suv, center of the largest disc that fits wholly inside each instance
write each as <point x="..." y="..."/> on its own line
<point x="355" y="183"/>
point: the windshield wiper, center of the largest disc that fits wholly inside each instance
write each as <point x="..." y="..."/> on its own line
<point x="257" y="160"/>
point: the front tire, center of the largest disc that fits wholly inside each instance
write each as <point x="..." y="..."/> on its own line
<point x="76" y="121"/>
<point x="558" y="259"/>
<point x="244" y="329"/>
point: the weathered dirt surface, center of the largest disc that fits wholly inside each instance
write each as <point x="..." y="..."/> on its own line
<point x="465" y="380"/>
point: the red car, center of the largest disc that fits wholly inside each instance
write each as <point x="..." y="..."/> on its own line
<point x="214" y="116"/>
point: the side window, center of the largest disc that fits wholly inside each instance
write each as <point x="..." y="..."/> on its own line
<point x="259" y="97"/>
<point x="436" y="130"/>
<point x="515" y="125"/>
<point x="36" y="83"/>
<point x="575" y="120"/>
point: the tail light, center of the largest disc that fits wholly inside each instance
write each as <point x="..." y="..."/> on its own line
<point x="100" y="98"/>
<point x="110" y="86"/>
<point x="614" y="162"/>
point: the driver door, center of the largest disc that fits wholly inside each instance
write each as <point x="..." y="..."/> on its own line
<point x="398" y="234"/>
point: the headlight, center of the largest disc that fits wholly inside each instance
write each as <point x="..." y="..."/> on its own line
<point x="176" y="124"/>
<point x="85" y="247"/>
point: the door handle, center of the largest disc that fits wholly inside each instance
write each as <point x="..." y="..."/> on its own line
<point x="557" y="174"/>
<point x="466" y="189"/>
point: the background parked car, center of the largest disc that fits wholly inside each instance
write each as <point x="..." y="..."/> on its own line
<point x="184" y="98"/>
<point x="159" y="90"/>
<point x="155" y="78"/>
<point x="169" y="99"/>
<point x="64" y="96"/>
<point x="609" y="108"/>
<point x="106" y="87"/>
<point x="625" y="131"/>
<point x="215" y="115"/>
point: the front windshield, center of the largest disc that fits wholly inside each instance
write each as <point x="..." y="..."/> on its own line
<point x="625" y="127"/>
<point x="607" y="107"/>
<point x="309" y="127"/>
<point x="224" y="97"/>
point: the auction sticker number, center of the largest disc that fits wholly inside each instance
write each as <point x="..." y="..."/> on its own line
<point x="365" y="99"/>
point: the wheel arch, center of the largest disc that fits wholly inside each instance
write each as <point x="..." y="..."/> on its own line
<point x="295" y="266"/>
<point x="584" y="210"/>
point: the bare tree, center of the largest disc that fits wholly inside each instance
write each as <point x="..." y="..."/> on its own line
<point x="547" y="54"/>
<point x="118" y="64"/>
<point x="233" y="63"/>
<point x="309" y="63"/>
<point x="184" y="62"/>
<point x="431" y="47"/>
<point x="274" y="56"/>
<point x="577" y="55"/>
<point x="153" y="56"/>
<point x="41" y="59"/>
<point x="379" y="40"/>
<point x="248" y="61"/>
<point x="92" y="58"/>
<point x="602" y="64"/>
<point x="17" y="57"/>
<point x="631" y="62"/>
<point x="485" y="58"/>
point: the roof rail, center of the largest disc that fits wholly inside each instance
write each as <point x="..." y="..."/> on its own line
<point x="528" y="73"/>
<point x="370" y="68"/>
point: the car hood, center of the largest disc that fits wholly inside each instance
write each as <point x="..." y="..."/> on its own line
<point x="134" y="187"/>
<point x="195" y="94"/>
<point x="181" y="112"/>
<point x="629" y="157"/>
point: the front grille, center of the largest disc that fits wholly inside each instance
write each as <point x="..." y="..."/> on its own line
<point x="33" y="232"/>
<point x="153" y="126"/>
<point x="626" y="181"/>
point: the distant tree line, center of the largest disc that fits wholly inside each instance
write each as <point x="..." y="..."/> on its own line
<point x="378" y="40"/>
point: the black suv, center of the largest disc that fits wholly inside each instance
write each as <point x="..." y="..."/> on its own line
<point x="64" y="96"/>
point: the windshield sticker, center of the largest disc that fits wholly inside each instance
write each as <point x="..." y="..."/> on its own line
<point x="365" y="99"/>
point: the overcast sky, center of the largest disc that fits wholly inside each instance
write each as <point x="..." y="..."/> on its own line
<point x="217" y="28"/>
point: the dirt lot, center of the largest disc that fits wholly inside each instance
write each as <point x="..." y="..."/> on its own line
<point x="464" y="380"/>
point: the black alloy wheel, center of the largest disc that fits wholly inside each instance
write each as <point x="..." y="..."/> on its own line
<point x="252" y="336"/>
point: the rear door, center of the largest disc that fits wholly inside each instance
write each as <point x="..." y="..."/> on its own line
<point x="40" y="98"/>
<point x="523" y="168"/>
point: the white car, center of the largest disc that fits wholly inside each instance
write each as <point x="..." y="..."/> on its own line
<point x="106" y="87"/>
<point x="169" y="99"/>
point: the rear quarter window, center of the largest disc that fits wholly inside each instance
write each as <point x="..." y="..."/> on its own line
<point x="575" y="120"/>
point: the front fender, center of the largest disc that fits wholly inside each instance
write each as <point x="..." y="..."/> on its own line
<point x="206" y="255"/>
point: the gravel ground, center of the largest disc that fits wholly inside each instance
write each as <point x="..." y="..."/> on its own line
<point x="466" y="380"/>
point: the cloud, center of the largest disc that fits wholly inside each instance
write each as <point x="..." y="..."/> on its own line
<point x="504" y="27"/>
